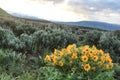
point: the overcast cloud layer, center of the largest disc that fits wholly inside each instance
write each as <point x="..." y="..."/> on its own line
<point x="67" y="10"/>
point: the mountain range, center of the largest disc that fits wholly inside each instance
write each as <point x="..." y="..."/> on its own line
<point x="91" y="24"/>
<point x="86" y="24"/>
<point x="95" y="24"/>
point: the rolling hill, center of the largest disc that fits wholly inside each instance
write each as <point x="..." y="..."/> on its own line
<point x="35" y="22"/>
<point x="95" y="24"/>
<point x="3" y="13"/>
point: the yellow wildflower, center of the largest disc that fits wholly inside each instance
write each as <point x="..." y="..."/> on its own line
<point x="106" y="66"/>
<point x="91" y="52"/>
<point x="47" y="58"/>
<point x="87" y="49"/>
<point x="74" y="56"/>
<point x="100" y="63"/>
<point x="61" y="63"/>
<point x="87" y="67"/>
<point x="95" y="58"/>
<point x="55" y="58"/>
<point x="84" y="58"/>
<point x="107" y="56"/>
<point x="101" y="52"/>
<point x="68" y="51"/>
<point x="56" y="52"/>
<point x="76" y="49"/>
<point x="84" y="52"/>
<point x="64" y="50"/>
<point x="94" y="47"/>
<point x="61" y="54"/>
<point x="81" y="47"/>
<point x="71" y="46"/>
<point x="109" y="60"/>
<point x="86" y="46"/>
<point x="103" y="58"/>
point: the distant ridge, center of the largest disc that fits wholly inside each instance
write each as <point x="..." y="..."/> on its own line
<point x="95" y="24"/>
<point x="4" y="13"/>
<point x="26" y="19"/>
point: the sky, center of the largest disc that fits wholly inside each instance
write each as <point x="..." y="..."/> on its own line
<point x="66" y="10"/>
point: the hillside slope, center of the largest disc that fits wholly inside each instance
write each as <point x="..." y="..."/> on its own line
<point x="3" y="13"/>
<point x="7" y="18"/>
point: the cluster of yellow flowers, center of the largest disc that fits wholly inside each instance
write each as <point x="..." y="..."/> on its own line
<point x="83" y="57"/>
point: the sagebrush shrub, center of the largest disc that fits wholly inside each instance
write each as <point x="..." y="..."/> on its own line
<point x="6" y="38"/>
<point x="110" y="43"/>
<point x="26" y="40"/>
<point x="92" y="38"/>
<point x="107" y="41"/>
<point x="50" y="39"/>
<point x="117" y="34"/>
<point x="23" y="28"/>
<point x="8" y="24"/>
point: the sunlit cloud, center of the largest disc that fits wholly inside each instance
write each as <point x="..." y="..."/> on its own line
<point x="67" y="10"/>
<point x="43" y="9"/>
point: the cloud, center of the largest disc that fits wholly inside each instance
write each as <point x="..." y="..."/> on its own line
<point x="67" y="10"/>
<point x="98" y="10"/>
<point x="98" y="5"/>
<point x="56" y="1"/>
<point x="53" y="1"/>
